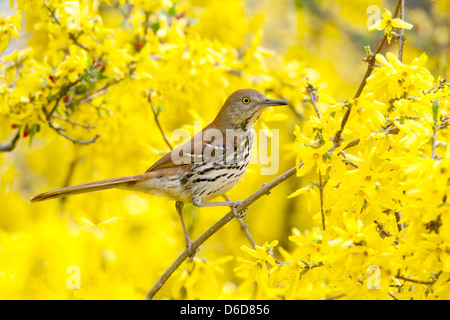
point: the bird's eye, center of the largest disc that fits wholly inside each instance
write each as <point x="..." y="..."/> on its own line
<point x="246" y="100"/>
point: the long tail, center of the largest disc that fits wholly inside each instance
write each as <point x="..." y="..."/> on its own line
<point x="121" y="182"/>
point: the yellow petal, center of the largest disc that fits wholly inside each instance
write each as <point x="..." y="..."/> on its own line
<point x="402" y="128"/>
<point x="420" y="62"/>
<point x="392" y="58"/>
<point x="399" y="23"/>
<point x="73" y="76"/>
<point x="387" y="15"/>
<point x="298" y="192"/>
<point x="376" y="26"/>
<point x="251" y="252"/>
<point x="323" y="149"/>
<point x="307" y="165"/>
<point x="382" y="60"/>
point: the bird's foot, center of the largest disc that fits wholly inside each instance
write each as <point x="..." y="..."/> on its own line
<point x="191" y="250"/>
<point x="238" y="214"/>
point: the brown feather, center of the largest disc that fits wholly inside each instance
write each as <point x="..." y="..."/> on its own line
<point x="186" y="154"/>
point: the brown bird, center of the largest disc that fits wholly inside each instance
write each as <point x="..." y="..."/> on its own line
<point x="205" y="167"/>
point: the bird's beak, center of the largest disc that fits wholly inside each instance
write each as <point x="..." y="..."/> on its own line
<point x="274" y="102"/>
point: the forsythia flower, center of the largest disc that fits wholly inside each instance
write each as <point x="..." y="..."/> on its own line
<point x="73" y="65"/>
<point x="310" y="154"/>
<point x="8" y="29"/>
<point x="387" y="23"/>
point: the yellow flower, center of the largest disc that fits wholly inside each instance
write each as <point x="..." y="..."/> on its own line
<point x="73" y="65"/>
<point x="387" y="23"/>
<point x="8" y="28"/>
<point x="397" y="80"/>
<point x="262" y="255"/>
<point x="311" y="156"/>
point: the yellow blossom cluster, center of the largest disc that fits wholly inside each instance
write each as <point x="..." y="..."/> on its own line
<point x="384" y="196"/>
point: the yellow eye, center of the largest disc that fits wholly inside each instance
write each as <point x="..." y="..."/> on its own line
<point x="246" y="100"/>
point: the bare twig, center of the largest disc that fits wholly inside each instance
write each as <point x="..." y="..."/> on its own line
<point x="346" y="161"/>
<point x="60" y="132"/>
<point x="313" y="97"/>
<point x="12" y="143"/>
<point x="75" y="41"/>
<point x="401" y="38"/>
<point x="338" y="136"/>
<point x="398" y="217"/>
<point x="71" y="36"/>
<point x="143" y="41"/>
<point x="434" y="141"/>
<point x="381" y="230"/>
<point x="352" y="144"/>
<point x="62" y="92"/>
<point x="244" y="226"/>
<point x="265" y="189"/>
<point x="53" y="14"/>
<point x="69" y="175"/>
<point x="85" y="126"/>
<point x="156" y="117"/>
<point x="99" y="92"/>
<point x="430" y="283"/>
<point x="321" y="186"/>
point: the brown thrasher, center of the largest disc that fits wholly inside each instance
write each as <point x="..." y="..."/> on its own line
<point x="205" y="167"/>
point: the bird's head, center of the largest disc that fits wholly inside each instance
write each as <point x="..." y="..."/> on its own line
<point x="243" y="107"/>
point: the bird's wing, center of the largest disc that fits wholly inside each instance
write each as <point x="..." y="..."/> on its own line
<point x="203" y="147"/>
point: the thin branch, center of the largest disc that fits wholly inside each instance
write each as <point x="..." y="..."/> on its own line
<point x="12" y="144"/>
<point x="434" y="142"/>
<point x="71" y="36"/>
<point x="76" y="160"/>
<point x="429" y="283"/>
<point x="156" y="117"/>
<point x="97" y="93"/>
<point x="352" y="144"/>
<point x="337" y="140"/>
<point x="346" y="161"/>
<point x="398" y="218"/>
<point x="320" y="186"/>
<point x="393" y="296"/>
<point x="62" y="92"/>
<point x="53" y="14"/>
<point x="244" y="226"/>
<point x="60" y="132"/>
<point x="337" y="136"/>
<point x="313" y="97"/>
<point x="265" y="189"/>
<point x="402" y="38"/>
<point x="84" y="126"/>
<point x="143" y="41"/>
<point x="75" y="41"/>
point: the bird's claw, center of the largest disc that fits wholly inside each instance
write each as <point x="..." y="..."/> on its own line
<point x="242" y="214"/>
<point x="191" y="250"/>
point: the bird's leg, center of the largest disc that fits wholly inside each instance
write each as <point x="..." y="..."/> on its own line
<point x="232" y="204"/>
<point x="179" y="206"/>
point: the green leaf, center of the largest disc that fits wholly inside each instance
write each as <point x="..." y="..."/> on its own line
<point x="89" y="62"/>
<point x="172" y="11"/>
<point x="158" y="109"/>
<point x="156" y="26"/>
